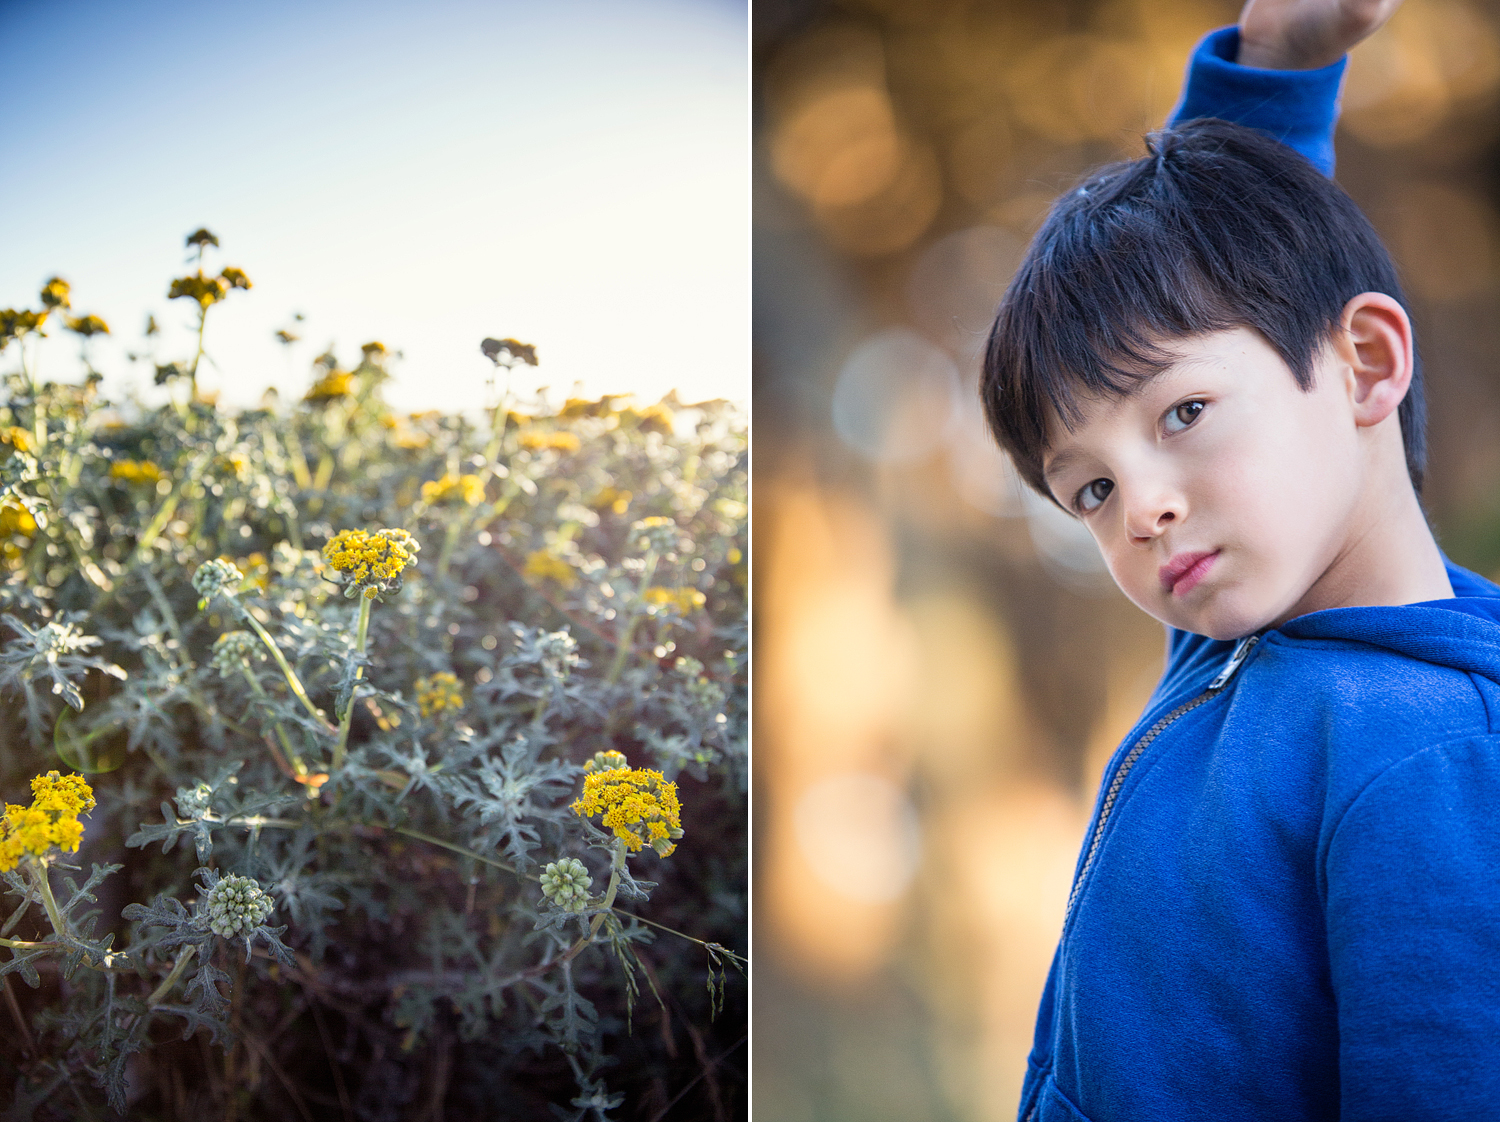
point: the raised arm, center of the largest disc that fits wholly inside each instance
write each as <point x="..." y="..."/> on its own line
<point x="1279" y="70"/>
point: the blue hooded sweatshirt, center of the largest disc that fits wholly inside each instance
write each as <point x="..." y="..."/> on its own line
<point x="1287" y="905"/>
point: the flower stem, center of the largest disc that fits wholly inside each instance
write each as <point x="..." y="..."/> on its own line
<point x="429" y="839"/>
<point x="450" y="539"/>
<point x="159" y="994"/>
<point x="292" y="681"/>
<point x="359" y="647"/>
<point x="616" y="865"/>
<point x="163" y="516"/>
<point x="38" y="871"/>
<point x="622" y="649"/>
<point x="286" y="744"/>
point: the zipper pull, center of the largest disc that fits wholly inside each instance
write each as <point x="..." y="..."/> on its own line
<point x="1240" y="651"/>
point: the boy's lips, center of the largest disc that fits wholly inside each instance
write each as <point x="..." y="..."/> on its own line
<point x="1181" y="574"/>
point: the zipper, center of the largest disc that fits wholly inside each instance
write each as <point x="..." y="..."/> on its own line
<point x="1216" y="687"/>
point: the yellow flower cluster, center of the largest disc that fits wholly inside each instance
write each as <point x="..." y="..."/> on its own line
<point x="86" y="325"/>
<point x="51" y="819"/>
<point x="548" y="566"/>
<point x="208" y="290"/>
<point x="14" y="324"/>
<point x="15" y="519"/>
<point x="636" y="803"/>
<point x="16" y="528"/>
<point x="332" y="386"/>
<point x="654" y="418"/>
<point x="17" y="437"/>
<point x="372" y="562"/>
<point x="557" y="441"/>
<point x="135" y="471"/>
<point x="453" y="489"/>
<point x="57" y="293"/>
<point x="439" y="693"/>
<point x="576" y="407"/>
<point x="612" y="499"/>
<point x="683" y="599"/>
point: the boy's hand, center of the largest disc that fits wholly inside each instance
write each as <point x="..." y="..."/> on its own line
<point x="1306" y="34"/>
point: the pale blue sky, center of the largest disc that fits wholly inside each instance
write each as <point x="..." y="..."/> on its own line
<point x="572" y="173"/>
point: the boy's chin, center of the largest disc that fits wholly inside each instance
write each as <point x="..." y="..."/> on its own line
<point x="1216" y="621"/>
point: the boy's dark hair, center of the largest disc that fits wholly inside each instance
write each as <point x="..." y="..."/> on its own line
<point x="1218" y="227"/>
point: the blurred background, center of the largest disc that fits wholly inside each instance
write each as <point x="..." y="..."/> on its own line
<point x="942" y="666"/>
<point x="572" y="174"/>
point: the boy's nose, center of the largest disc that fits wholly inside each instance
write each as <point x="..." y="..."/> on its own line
<point x="1148" y="517"/>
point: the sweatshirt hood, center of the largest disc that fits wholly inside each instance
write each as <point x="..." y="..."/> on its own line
<point x="1462" y="632"/>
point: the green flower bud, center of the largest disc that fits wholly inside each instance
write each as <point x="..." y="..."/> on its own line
<point x="215" y="577"/>
<point x="566" y="883"/>
<point x="235" y="907"/>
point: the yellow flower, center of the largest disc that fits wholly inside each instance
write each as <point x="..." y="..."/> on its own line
<point x="235" y="277"/>
<point x="576" y="407"/>
<point x="560" y="441"/>
<point x="15" y="519"/>
<point x="548" y="566"/>
<point x="18" y="438"/>
<point x="683" y="599"/>
<point x="51" y="819"/>
<point x="86" y="325"/>
<point x="205" y="290"/>
<point x="453" y="489"/>
<point x="14" y="324"/>
<point x="439" y="693"/>
<point x="332" y="386"/>
<point x="653" y="418"/>
<point x="636" y="803"/>
<point x="135" y="471"/>
<point x="371" y="563"/>
<point x="56" y="293"/>
<point x="611" y="499"/>
<point x="508" y="352"/>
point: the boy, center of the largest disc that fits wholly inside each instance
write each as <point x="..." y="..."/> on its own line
<point x="1288" y="902"/>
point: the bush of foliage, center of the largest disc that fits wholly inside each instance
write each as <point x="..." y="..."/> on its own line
<point x="366" y="766"/>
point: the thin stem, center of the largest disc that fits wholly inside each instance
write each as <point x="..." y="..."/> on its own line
<point x="616" y="864"/>
<point x="193" y="372"/>
<point x="622" y="649"/>
<point x="23" y="944"/>
<point x="454" y="848"/>
<point x="502" y="415"/>
<point x="292" y="681"/>
<point x="159" y="994"/>
<point x="450" y="539"/>
<point x="286" y="744"/>
<point x="674" y="931"/>
<point x="348" y="718"/>
<point x="163" y="516"/>
<point x="38" y="872"/>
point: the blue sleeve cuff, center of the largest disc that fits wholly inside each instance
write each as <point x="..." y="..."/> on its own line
<point x="1298" y="107"/>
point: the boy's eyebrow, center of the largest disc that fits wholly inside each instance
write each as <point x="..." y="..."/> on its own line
<point x="1064" y="459"/>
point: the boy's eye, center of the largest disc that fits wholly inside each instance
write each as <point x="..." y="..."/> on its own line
<point x="1093" y="494"/>
<point x="1182" y="416"/>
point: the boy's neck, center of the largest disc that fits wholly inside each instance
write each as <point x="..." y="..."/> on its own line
<point x="1389" y="556"/>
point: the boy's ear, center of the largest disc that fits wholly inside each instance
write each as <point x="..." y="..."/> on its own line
<point x="1377" y="347"/>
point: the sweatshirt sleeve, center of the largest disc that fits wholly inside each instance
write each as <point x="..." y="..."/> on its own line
<point x="1413" y="914"/>
<point x="1297" y="107"/>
